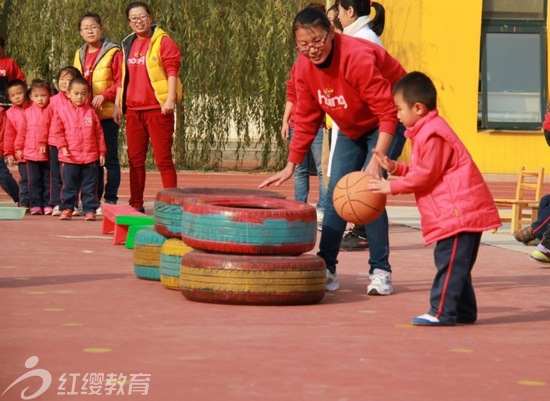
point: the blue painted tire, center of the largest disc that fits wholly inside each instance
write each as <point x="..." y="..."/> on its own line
<point x="168" y="205"/>
<point x="147" y="246"/>
<point x="253" y="226"/>
<point x="252" y="279"/>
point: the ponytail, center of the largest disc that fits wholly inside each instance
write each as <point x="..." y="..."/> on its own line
<point x="377" y="23"/>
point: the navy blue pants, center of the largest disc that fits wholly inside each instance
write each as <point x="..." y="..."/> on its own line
<point x="83" y="178"/>
<point x="23" y="185"/>
<point x="55" y="178"/>
<point x="7" y="182"/>
<point x="38" y="175"/>
<point x="112" y="164"/>
<point x="452" y="298"/>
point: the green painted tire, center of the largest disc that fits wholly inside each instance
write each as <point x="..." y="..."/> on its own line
<point x="168" y="204"/>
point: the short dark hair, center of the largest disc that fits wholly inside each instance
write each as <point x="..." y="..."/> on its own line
<point x="17" y="82"/>
<point x="93" y="16"/>
<point x="39" y="83"/>
<point x="78" y="80"/>
<point x="136" y="4"/>
<point x="2" y="41"/>
<point x="417" y="87"/>
<point x="311" y="17"/>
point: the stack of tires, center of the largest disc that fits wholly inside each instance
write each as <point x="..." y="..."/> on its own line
<point x="250" y="250"/>
<point x="234" y="246"/>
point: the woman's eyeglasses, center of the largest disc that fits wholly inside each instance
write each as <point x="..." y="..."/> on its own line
<point x="135" y="18"/>
<point x="316" y="44"/>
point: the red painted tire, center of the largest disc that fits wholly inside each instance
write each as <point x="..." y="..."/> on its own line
<point x="253" y="226"/>
<point x="252" y="280"/>
<point x="168" y="205"/>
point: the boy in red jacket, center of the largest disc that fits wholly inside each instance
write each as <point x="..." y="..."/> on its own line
<point x="7" y="182"/>
<point x="454" y="202"/>
<point x="78" y="135"/>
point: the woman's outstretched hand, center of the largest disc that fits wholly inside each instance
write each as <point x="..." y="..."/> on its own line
<point x="280" y="177"/>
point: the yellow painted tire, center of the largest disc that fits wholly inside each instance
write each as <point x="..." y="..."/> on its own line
<point x="252" y="279"/>
<point x="171" y="253"/>
<point x="147" y="246"/>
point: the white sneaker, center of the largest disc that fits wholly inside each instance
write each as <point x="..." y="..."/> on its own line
<point x="380" y="284"/>
<point x="320" y="216"/>
<point x="98" y="212"/>
<point x="332" y="281"/>
<point x="56" y="211"/>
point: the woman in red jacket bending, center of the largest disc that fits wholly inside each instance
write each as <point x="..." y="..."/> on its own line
<point x="351" y="80"/>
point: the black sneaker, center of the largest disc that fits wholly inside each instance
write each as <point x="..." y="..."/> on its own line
<point x="353" y="242"/>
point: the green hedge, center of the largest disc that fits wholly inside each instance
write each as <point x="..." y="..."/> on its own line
<point x="236" y="58"/>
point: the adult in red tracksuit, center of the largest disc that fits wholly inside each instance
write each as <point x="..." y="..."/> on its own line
<point x="454" y="201"/>
<point x="150" y="89"/>
<point x="78" y="135"/>
<point x="9" y="70"/>
<point x="351" y="80"/>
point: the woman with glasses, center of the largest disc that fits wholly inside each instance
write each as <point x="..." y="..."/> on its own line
<point x="100" y="61"/>
<point x="351" y="80"/>
<point x="150" y="88"/>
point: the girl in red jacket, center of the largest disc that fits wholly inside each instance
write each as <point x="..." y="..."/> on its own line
<point x="31" y="144"/>
<point x="79" y="138"/>
<point x="454" y="202"/>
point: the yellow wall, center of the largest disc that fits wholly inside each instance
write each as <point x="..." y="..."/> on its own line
<point x="442" y="39"/>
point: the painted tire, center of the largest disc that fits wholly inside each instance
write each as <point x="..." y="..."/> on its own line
<point x="252" y="280"/>
<point x="147" y="246"/>
<point x="253" y="226"/>
<point x="171" y="253"/>
<point x="168" y="205"/>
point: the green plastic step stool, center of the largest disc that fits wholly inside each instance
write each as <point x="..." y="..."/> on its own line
<point x="122" y="223"/>
<point x="132" y="231"/>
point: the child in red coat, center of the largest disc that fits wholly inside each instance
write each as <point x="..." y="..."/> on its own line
<point x="79" y="138"/>
<point x="31" y="146"/>
<point x="454" y="201"/>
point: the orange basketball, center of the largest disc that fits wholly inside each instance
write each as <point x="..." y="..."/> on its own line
<point x="354" y="202"/>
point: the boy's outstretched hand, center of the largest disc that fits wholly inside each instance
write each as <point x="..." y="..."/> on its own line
<point x="381" y="186"/>
<point x="385" y="162"/>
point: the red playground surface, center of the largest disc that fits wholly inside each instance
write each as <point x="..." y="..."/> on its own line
<point x="76" y="324"/>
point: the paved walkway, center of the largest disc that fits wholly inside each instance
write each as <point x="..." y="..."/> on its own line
<point x="72" y="307"/>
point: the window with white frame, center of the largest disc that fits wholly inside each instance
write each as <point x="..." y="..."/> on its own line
<point x="512" y="90"/>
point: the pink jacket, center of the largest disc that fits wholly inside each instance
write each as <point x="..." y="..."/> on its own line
<point x="78" y="129"/>
<point x="56" y="102"/>
<point x="15" y="123"/>
<point x="451" y="193"/>
<point x="29" y="139"/>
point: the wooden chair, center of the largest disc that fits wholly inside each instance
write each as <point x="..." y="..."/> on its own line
<point x="523" y="209"/>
